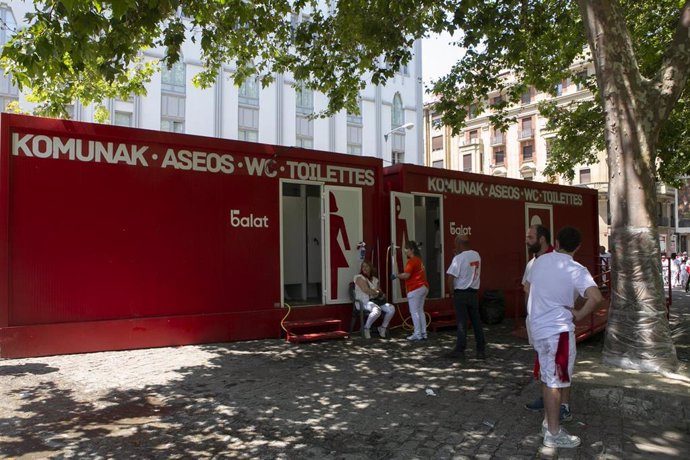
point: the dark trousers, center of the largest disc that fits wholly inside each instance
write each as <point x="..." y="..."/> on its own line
<point x="467" y="304"/>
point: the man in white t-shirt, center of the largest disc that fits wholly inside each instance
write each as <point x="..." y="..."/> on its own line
<point x="538" y="241"/>
<point x="463" y="278"/>
<point x="552" y="280"/>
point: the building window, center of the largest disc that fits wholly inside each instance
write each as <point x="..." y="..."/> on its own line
<point x="173" y="77"/>
<point x="304" y="124"/>
<point x="498" y="138"/>
<point x="499" y="157"/>
<point x="248" y="135"/>
<point x="547" y="147"/>
<point x="354" y="139"/>
<point x="398" y="115"/>
<point x="8" y="25"/>
<point x="561" y="87"/>
<point x="172" y="126"/>
<point x="397" y="157"/>
<point x="495" y="100"/>
<point x="172" y="112"/>
<point x="248" y="123"/>
<point x="473" y="136"/>
<point x="305" y="100"/>
<point x="472" y="112"/>
<point x="437" y="164"/>
<point x="398" y="137"/>
<point x="526" y="128"/>
<point x="437" y="143"/>
<point x="249" y="92"/>
<point x="585" y="176"/>
<point x="122" y="119"/>
<point x="354" y="131"/>
<point x="173" y="98"/>
<point x="528" y="177"/>
<point x="467" y="162"/>
<point x="355" y="118"/>
<point x="527" y="151"/>
<point x="248" y="110"/>
<point x="526" y="97"/>
<point x="581" y="78"/>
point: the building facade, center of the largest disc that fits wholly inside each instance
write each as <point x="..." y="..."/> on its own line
<point x="277" y="114"/>
<point x="522" y="151"/>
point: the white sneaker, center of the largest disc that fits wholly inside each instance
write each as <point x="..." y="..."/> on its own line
<point x="414" y="338"/>
<point x="562" y="439"/>
<point x="382" y="331"/>
<point x="544" y="428"/>
<point x="367" y="334"/>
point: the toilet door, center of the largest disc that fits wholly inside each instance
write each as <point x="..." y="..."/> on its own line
<point x="402" y="231"/>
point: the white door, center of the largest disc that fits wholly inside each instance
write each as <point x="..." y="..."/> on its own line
<point x="343" y="230"/>
<point x="402" y="231"/>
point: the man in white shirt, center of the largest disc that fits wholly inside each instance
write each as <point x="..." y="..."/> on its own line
<point x="552" y="280"/>
<point x="463" y="278"/>
<point x="538" y="241"/>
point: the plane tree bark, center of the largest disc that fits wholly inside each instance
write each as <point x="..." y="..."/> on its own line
<point x="634" y="107"/>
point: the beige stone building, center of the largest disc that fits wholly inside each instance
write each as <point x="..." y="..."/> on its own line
<point x="521" y="152"/>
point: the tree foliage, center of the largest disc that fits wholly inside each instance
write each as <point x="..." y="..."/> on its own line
<point x="91" y="49"/>
<point x="539" y="41"/>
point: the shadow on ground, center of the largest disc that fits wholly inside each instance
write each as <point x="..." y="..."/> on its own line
<point x="344" y="399"/>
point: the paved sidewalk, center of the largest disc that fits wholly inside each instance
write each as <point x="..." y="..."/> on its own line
<point x="341" y="399"/>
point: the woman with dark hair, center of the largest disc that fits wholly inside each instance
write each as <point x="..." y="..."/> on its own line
<point x="417" y="289"/>
<point x="367" y="291"/>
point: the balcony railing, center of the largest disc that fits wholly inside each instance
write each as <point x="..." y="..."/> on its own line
<point x="526" y="133"/>
<point x="471" y="141"/>
<point x="498" y="139"/>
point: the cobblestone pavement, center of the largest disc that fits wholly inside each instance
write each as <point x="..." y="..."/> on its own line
<point x="346" y="399"/>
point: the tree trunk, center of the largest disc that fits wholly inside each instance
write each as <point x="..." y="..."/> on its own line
<point x="638" y="334"/>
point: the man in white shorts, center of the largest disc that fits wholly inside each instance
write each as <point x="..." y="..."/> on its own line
<point x="552" y="280"/>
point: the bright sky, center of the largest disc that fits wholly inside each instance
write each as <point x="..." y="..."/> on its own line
<point x="438" y="56"/>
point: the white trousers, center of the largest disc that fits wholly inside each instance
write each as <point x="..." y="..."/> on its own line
<point x="375" y="311"/>
<point x="415" y="300"/>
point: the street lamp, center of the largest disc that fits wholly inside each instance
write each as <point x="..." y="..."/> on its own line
<point x="399" y="128"/>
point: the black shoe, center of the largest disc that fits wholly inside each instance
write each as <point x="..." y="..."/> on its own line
<point x="481" y="355"/>
<point x="455" y="354"/>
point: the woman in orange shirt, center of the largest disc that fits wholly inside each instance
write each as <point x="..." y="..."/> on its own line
<point x="417" y="289"/>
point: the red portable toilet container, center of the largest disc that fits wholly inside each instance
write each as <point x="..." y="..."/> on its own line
<point x="117" y="238"/>
<point x="432" y="206"/>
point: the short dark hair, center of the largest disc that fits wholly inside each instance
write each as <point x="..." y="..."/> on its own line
<point x="569" y="238"/>
<point x="542" y="231"/>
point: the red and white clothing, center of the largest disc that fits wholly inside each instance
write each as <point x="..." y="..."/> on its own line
<point x="466" y="270"/>
<point x="417" y="289"/>
<point x="553" y="279"/>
